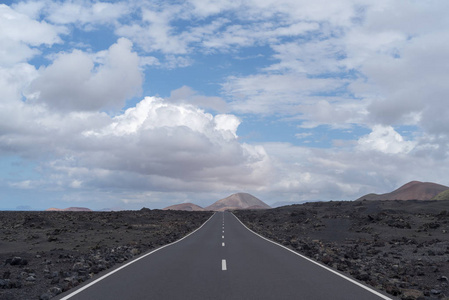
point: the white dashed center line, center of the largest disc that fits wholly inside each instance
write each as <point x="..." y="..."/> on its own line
<point x="223" y="261"/>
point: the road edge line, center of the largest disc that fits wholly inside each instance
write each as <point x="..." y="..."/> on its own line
<point x="129" y="263"/>
<point x="318" y="264"/>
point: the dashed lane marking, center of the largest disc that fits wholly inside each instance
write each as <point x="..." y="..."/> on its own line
<point x="223" y="265"/>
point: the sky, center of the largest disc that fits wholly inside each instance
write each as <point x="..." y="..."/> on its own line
<point x="131" y="104"/>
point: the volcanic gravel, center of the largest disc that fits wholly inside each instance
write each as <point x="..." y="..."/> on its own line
<point x="43" y="254"/>
<point x="401" y="247"/>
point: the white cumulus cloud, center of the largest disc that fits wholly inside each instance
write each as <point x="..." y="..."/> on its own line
<point x="174" y="144"/>
<point x="20" y="35"/>
<point x="76" y="81"/>
<point x="385" y="139"/>
<point x="154" y="146"/>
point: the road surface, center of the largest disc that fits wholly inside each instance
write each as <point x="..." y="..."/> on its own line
<point x="223" y="260"/>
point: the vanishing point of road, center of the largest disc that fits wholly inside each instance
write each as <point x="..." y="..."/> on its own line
<point x="222" y="260"/>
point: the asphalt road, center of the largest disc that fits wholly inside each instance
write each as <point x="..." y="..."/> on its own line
<point x="223" y="260"/>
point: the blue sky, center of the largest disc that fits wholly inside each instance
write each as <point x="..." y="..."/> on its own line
<point x="125" y="104"/>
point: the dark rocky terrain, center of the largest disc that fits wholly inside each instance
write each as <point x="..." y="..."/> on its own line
<point x="45" y="253"/>
<point x="401" y="247"/>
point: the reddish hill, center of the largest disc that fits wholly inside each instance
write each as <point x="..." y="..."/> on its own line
<point x="414" y="190"/>
<point x="69" y="209"/>
<point x="185" y="206"/>
<point x="238" y="201"/>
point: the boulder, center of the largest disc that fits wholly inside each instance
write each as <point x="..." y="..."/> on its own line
<point x="411" y="294"/>
<point x="45" y="296"/>
<point x="17" y="261"/>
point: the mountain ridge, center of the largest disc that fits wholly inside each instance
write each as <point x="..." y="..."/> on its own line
<point x="238" y="201"/>
<point x="69" y="209"/>
<point x="234" y="201"/>
<point x="184" y="206"/>
<point x="413" y="190"/>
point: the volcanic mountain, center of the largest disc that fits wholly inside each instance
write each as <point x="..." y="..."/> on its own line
<point x="238" y="201"/>
<point x="185" y="206"/>
<point x="414" y="190"/>
<point x="69" y="209"/>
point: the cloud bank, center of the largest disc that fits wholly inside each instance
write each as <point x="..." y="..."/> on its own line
<point x="145" y="102"/>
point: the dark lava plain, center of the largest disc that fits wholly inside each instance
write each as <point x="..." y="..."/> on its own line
<point x="401" y="247"/>
<point x="43" y="254"/>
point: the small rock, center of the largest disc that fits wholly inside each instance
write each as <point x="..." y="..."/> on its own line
<point x="18" y="261"/>
<point x="410" y="294"/>
<point x="327" y="259"/>
<point x="52" y="238"/>
<point x="55" y="290"/>
<point x="45" y="296"/>
<point x="443" y="279"/>
<point x="54" y="274"/>
<point x="392" y="290"/>
<point x="79" y="266"/>
<point x="55" y="280"/>
<point x="363" y="276"/>
<point x="6" y="274"/>
<point x="435" y="291"/>
<point x="5" y="284"/>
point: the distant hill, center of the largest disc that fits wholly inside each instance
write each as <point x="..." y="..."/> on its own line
<point x="69" y="209"/>
<point x="442" y="196"/>
<point x="185" y="206"/>
<point x="111" y="209"/>
<point x="238" y="201"/>
<point x="414" y="190"/>
<point x="287" y="203"/>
